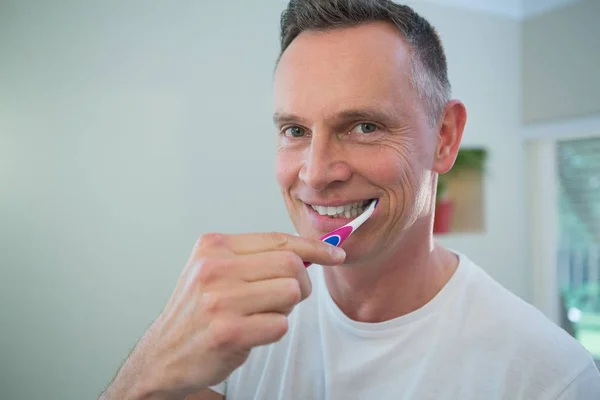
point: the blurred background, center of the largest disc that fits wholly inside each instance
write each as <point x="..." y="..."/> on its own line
<point x="128" y="129"/>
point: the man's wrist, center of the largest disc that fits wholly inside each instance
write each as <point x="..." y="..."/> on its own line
<point x="134" y="386"/>
<point x="138" y="379"/>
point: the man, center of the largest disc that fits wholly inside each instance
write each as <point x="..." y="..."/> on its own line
<point x="363" y="112"/>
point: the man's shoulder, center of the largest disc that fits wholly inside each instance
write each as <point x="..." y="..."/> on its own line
<point x="523" y="329"/>
<point x="501" y="307"/>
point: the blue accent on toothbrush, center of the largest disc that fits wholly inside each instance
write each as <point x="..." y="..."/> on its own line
<point x="333" y="240"/>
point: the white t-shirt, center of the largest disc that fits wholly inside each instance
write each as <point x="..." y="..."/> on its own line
<point x="474" y="340"/>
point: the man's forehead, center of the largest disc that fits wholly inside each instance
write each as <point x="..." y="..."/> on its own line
<point x="371" y="54"/>
<point x="348" y="68"/>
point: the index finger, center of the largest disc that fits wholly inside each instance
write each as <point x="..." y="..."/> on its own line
<point x="308" y="249"/>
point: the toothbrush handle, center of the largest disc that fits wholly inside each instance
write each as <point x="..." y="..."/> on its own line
<point x="335" y="238"/>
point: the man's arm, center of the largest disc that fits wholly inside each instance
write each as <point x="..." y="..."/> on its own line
<point x="206" y="394"/>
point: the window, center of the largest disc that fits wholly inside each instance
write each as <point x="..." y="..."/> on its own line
<point x="578" y="235"/>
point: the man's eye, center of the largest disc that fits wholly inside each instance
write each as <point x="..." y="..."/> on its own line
<point x="365" y="127"/>
<point x="294" y="131"/>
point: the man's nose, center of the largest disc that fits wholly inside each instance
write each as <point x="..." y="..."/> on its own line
<point x="325" y="164"/>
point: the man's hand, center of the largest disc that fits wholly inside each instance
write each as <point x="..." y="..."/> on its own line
<point x="235" y="293"/>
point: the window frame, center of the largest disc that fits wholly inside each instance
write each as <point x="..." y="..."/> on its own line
<point x="542" y="203"/>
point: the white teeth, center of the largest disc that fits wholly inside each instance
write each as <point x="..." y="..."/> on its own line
<point x="348" y="211"/>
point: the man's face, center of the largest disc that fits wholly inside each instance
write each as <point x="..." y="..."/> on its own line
<point x="351" y="129"/>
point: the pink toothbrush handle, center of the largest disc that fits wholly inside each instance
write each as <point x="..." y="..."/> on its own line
<point x="335" y="238"/>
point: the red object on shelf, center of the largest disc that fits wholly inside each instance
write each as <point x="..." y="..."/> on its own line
<point x="442" y="220"/>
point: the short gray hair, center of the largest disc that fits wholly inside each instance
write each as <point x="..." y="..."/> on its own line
<point x="429" y="71"/>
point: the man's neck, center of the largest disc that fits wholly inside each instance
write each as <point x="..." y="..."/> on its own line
<point x="406" y="280"/>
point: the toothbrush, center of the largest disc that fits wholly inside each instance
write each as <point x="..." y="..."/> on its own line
<point x="339" y="235"/>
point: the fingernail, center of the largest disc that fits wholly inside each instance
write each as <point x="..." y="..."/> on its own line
<point x="337" y="253"/>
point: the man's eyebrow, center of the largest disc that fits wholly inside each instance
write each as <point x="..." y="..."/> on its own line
<point x="369" y="114"/>
<point x="343" y="116"/>
<point x="360" y="114"/>
<point x="280" y="118"/>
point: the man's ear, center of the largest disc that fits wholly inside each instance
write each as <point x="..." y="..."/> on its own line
<point x="449" y="136"/>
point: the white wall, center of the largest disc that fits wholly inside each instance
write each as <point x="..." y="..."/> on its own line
<point x="561" y="55"/>
<point x="530" y="8"/>
<point x="128" y="129"/>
